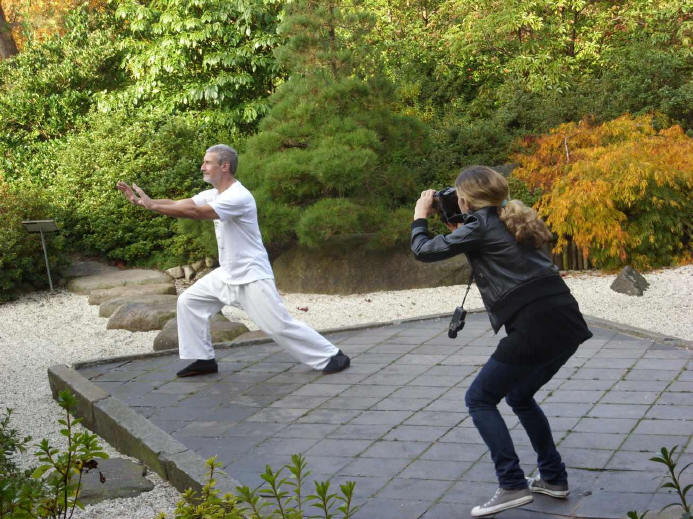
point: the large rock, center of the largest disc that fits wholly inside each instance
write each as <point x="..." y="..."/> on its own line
<point x="349" y="270"/>
<point x="104" y="294"/>
<point x="108" y="308"/>
<point x="221" y="328"/>
<point x="87" y="268"/>
<point x="86" y="284"/>
<point x="629" y="281"/>
<point x="141" y="317"/>
<point x="113" y="478"/>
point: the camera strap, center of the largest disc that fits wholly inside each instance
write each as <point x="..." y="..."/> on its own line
<point x="469" y="285"/>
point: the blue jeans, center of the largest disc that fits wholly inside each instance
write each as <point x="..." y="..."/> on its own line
<point x="517" y="383"/>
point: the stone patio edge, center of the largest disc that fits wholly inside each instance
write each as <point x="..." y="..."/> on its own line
<point x="134" y="435"/>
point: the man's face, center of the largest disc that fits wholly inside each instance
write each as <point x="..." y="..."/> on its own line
<point x="212" y="171"/>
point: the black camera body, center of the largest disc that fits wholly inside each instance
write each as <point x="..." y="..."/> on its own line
<point x="446" y="202"/>
<point x="457" y="322"/>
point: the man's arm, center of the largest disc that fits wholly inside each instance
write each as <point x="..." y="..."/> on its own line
<point x="184" y="208"/>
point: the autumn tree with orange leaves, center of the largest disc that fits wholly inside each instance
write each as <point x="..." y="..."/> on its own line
<point x="621" y="191"/>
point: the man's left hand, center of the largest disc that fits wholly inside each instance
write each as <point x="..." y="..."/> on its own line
<point x="143" y="199"/>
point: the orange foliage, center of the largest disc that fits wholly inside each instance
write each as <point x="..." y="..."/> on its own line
<point x="620" y="190"/>
<point x="39" y="19"/>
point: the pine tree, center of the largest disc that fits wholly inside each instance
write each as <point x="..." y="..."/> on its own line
<point x="333" y="158"/>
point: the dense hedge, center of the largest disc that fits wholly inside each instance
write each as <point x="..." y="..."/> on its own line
<point x="160" y="153"/>
<point x="22" y="264"/>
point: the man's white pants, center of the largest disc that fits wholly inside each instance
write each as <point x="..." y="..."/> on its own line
<point x="261" y="301"/>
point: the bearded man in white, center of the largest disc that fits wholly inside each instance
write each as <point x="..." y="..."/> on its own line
<point x="244" y="278"/>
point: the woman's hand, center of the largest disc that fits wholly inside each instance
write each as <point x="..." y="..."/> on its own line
<point x="424" y="205"/>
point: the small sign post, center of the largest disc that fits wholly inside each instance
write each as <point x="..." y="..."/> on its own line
<point x="41" y="226"/>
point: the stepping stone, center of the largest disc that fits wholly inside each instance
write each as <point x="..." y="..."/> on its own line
<point x="108" y="308"/>
<point x="122" y="478"/>
<point x="141" y="317"/>
<point x="104" y="294"/>
<point x="86" y="284"/>
<point x="221" y="328"/>
<point x="87" y="268"/>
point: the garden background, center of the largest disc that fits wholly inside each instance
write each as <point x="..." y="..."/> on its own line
<point x="342" y="111"/>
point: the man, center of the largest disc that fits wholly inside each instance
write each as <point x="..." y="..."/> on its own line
<point x="244" y="278"/>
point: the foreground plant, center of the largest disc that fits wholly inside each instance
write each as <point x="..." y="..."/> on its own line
<point x="271" y="500"/>
<point x="674" y="481"/>
<point x="52" y="489"/>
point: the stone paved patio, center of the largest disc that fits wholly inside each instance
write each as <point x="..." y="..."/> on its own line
<point x="395" y="422"/>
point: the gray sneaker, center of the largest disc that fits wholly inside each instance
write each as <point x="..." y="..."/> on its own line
<point x="538" y="485"/>
<point x="502" y="500"/>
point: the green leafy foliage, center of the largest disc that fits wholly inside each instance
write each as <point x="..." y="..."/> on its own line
<point x="21" y="256"/>
<point x="272" y="500"/>
<point x="207" y="504"/>
<point x="212" y="56"/>
<point x="18" y="491"/>
<point x="47" y="89"/>
<point x="160" y="153"/>
<point x="667" y="458"/>
<point x="51" y="490"/>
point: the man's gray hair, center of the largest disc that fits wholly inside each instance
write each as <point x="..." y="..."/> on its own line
<point x="225" y="154"/>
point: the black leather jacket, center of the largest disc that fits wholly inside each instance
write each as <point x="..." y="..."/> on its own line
<point x="508" y="275"/>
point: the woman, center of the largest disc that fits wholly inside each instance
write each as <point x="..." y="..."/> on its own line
<point x="521" y="290"/>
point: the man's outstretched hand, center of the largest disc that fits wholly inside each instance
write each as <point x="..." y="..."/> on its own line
<point x="135" y="194"/>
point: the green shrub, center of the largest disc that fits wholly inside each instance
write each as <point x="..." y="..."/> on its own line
<point x="158" y="152"/>
<point x="52" y="489"/>
<point x="22" y="264"/>
<point x="47" y="89"/>
<point x="333" y="159"/>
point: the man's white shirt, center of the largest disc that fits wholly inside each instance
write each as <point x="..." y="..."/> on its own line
<point x="242" y="256"/>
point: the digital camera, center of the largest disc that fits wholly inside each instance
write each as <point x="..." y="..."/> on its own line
<point x="445" y="201"/>
<point x="457" y="322"/>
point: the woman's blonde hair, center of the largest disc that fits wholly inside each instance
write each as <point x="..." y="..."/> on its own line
<point x="482" y="186"/>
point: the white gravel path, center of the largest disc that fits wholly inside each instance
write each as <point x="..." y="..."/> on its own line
<point x="43" y="329"/>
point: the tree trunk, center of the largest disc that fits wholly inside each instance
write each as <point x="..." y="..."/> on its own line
<point x="8" y="48"/>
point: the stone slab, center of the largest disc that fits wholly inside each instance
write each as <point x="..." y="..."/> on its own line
<point x="84" y="268"/>
<point x="96" y="297"/>
<point x="108" y="308"/>
<point x="141" y="317"/>
<point x="114" y="478"/>
<point x="110" y="279"/>
<point x="62" y="377"/>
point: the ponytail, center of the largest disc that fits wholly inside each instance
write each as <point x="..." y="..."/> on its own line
<point x="524" y="224"/>
<point x="482" y="186"/>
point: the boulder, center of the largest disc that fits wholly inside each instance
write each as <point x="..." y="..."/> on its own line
<point x="188" y="272"/>
<point x="113" y="478"/>
<point x="86" y="284"/>
<point x="210" y="262"/>
<point x="198" y="265"/>
<point x="629" y="281"/>
<point x="104" y="294"/>
<point x="141" y="317"/>
<point x="355" y="269"/>
<point x="175" y="272"/>
<point x="202" y="273"/>
<point x="107" y="308"/>
<point x="221" y="328"/>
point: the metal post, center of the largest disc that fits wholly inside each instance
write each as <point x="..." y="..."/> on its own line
<point x="45" y="255"/>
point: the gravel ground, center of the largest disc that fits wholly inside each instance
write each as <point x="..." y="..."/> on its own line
<point x="42" y="329"/>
